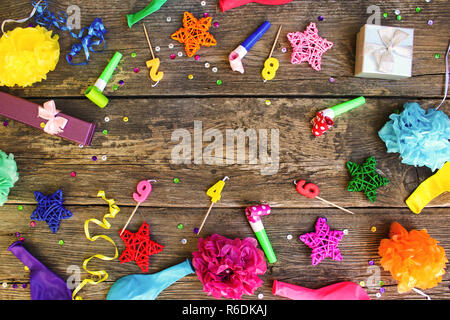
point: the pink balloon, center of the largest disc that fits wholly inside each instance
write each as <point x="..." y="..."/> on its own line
<point x="144" y="188"/>
<point x="339" y="291"/>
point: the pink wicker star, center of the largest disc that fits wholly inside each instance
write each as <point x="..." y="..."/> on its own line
<point x="308" y="46"/>
<point x="324" y="243"/>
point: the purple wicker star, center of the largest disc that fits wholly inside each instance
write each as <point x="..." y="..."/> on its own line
<point x="50" y="209"/>
<point x="324" y="243"/>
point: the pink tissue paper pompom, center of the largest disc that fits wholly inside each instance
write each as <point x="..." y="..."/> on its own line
<point x="227" y="267"/>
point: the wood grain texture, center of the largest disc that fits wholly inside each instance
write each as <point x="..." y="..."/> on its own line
<point x="141" y="148"/>
<point x="342" y="21"/>
<point x="294" y="263"/>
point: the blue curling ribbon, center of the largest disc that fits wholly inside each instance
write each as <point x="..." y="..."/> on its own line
<point x="94" y="37"/>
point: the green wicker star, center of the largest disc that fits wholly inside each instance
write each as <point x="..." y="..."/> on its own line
<point x="365" y="178"/>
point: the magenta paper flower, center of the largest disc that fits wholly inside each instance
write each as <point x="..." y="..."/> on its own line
<point x="227" y="267"/>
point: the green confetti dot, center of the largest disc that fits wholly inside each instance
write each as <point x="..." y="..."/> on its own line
<point x="176" y="180"/>
<point x="399" y="17"/>
<point x="60" y="242"/>
<point x="418" y="9"/>
<point x="219" y="82"/>
<point x="115" y="87"/>
<point x="105" y="132"/>
<point x="20" y="207"/>
<point x="133" y="54"/>
<point x="437" y="55"/>
<point x="180" y="226"/>
<point x="385" y="14"/>
<point x="381" y="283"/>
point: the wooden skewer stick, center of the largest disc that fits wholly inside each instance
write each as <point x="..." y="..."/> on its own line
<point x="275" y="42"/>
<point x="317" y="197"/>
<point x="148" y="41"/>
<point x="212" y="192"/>
<point x="129" y="219"/>
<point x="206" y="216"/>
<point x="331" y="203"/>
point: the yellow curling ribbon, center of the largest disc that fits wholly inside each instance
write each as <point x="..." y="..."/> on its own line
<point x="430" y="189"/>
<point x="101" y="274"/>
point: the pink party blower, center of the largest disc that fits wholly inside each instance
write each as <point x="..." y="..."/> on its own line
<point x="339" y="291"/>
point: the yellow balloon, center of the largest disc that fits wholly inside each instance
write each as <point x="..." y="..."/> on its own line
<point x="430" y="189"/>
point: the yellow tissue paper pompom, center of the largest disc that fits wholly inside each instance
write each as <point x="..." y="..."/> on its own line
<point x="27" y="55"/>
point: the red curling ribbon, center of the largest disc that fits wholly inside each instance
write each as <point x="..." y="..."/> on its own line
<point x="309" y="190"/>
<point x="321" y="124"/>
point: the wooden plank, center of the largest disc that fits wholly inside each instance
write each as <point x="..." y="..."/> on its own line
<point x="294" y="265"/>
<point x="142" y="148"/>
<point x="342" y="20"/>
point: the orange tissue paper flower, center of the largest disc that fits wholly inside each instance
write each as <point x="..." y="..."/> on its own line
<point x="413" y="258"/>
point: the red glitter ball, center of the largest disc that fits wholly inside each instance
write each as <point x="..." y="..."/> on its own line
<point x="172" y="56"/>
<point x="73" y="174"/>
<point x="136" y="70"/>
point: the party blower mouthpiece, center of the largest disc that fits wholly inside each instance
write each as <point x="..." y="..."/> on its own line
<point x="95" y="92"/>
<point x="237" y="54"/>
<point x="324" y="119"/>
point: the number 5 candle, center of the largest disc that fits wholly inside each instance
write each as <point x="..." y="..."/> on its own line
<point x="254" y="214"/>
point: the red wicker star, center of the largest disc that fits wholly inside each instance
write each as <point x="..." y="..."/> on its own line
<point x="139" y="247"/>
<point x="308" y="46"/>
<point x="194" y="34"/>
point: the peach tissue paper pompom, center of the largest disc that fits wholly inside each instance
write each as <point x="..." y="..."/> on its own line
<point x="27" y="55"/>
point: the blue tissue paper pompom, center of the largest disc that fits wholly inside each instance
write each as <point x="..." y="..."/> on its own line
<point x="420" y="137"/>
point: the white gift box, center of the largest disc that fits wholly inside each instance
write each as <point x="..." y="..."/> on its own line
<point x="384" y="52"/>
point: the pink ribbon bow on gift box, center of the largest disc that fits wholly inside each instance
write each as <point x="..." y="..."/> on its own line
<point x="54" y="124"/>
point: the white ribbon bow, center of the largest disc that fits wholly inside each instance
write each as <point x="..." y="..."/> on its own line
<point x="384" y="54"/>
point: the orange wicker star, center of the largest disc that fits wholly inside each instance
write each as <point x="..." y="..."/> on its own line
<point x="194" y="34"/>
<point x="139" y="247"/>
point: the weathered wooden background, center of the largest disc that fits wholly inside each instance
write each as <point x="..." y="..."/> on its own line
<point x="141" y="148"/>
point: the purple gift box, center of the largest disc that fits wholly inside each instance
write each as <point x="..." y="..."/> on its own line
<point x="37" y="116"/>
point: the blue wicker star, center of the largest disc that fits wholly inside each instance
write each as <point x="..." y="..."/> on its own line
<point x="50" y="209"/>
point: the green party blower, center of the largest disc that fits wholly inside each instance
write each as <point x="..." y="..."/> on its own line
<point x="254" y="214"/>
<point x="324" y="119"/>
<point x="95" y="92"/>
<point x="154" y="5"/>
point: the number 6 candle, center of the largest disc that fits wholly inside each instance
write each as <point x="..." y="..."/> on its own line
<point x="254" y="214"/>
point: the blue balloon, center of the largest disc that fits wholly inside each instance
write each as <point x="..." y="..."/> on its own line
<point x="148" y="286"/>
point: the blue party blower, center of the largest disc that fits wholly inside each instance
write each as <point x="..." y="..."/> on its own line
<point x="148" y="286"/>
<point x="236" y="56"/>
